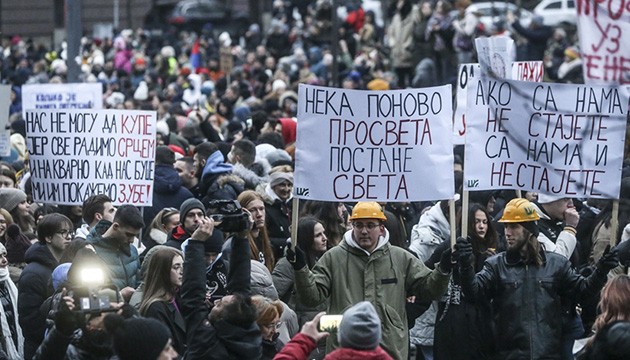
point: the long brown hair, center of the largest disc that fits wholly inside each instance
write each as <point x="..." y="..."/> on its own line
<point x="490" y="240"/>
<point x="246" y="198"/>
<point x="531" y="253"/>
<point x="157" y="285"/>
<point x="615" y="302"/>
<point x="266" y="309"/>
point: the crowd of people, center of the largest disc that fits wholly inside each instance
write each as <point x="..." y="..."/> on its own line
<point x="534" y="274"/>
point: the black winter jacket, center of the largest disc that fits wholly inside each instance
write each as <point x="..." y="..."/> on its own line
<point x="34" y="287"/>
<point x="222" y="339"/>
<point x="527" y="301"/>
<point x="168" y="191"/>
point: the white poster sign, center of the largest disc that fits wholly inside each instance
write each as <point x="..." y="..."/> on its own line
<point x="5" y="104"/>
<point x="521" y="70"/>
<point x="357" y="145"/>
<point x="552" y="138"/>
<point x="78" y="153"/>
<point x="604" y="33"/>
<point x="62" y="96"/>
<point x="496" y="55"/>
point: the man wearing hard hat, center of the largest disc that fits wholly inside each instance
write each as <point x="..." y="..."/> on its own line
<point x="527" y="285"/>
<point x="364" y="266"/>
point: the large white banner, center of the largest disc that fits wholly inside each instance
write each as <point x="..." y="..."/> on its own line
<point x="374" y="145"/>
<point x="604" y="33"/>
<point x="74" y="154"/>
<point x="5" y="104"/>
<point x="62" y="96"/>
<point x="543" y="137"/>
<point x="470" y="73"/>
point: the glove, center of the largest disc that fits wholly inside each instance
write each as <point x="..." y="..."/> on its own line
<point x="446" y="263"/>
<point x="66" y="322"/>
<point x="463" y="251"/>
<point x="296" y="258"/>
<point x="609" y="260"/>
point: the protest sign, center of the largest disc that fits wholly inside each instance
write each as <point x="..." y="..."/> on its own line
<point x="496" y="55"/>
<point x="469" y="73"/>
<point x="374" y="145"/>
<point x="5" y="134"/>
<point x="552" y="138"/>
<point x="62" y="96"/>
<point x="604" y="33"/>
<point x="78" y="153"/>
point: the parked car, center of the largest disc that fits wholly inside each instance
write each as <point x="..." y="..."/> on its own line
<point x="195" y="15"/>
<point x="557" y="12"/>
<point x="491" y="12"/>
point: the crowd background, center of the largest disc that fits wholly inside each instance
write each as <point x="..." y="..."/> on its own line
<point x="227" y="129"/>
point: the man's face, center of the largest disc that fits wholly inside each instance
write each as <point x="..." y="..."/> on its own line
<point x="219" y="304"/>
<point x="126" y="234"/>
<point x="109" y="211"/>
<point x="184" y="171"/>
<point x="198" y="164"/>
<point x="557" y="208"/>
<point x="516" y="237"/>
<point x="366" y="233"/>
<point x="232" y="157"/>
<point x="192" y="219"/>
<point x="283" y="190"/>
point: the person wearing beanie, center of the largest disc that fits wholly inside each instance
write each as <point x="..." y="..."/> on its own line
<point x="359" y="334"/>
<point x="14" y="201"/>
<point x="278" y="204"/>
<point x="190" y="213"/>
<point x="570" y="70"/>
<point x="140" y="338"/>
<point x="526" y="316"/>
<point x="10" y="198"/>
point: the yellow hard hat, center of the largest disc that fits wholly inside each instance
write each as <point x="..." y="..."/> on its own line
<point x="367" y="210"/>
<point x="519" y="210"/>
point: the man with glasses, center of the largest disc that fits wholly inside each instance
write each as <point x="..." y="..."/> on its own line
<point x="54" y="233"/>
<point x="364" y="266"/>
<point x="116" y="250"/>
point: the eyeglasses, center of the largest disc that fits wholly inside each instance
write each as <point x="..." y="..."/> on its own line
<point x="274" y="326"/>
<point x="66" y="233"/>
<point x="361" y="226"/>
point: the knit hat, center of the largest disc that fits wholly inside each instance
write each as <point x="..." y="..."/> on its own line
<point x="360" y="327"/>
<point x="278" y="177"/>
<point x="279" y="157"/>
<point x="10" y="198"/>
<point x="17" y="244"/>
<point x="214" y="243"/>
<point x="188" y="205"/>
<point x="137" y="338"/>
<point x="164" y="155"/>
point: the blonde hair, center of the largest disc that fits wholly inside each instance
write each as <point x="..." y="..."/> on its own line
<point x="266" y="309"/>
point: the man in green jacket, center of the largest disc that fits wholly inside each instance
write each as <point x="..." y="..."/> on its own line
<point x="366" y="267"/>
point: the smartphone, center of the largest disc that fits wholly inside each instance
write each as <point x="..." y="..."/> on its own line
<point x="329" y="322"/>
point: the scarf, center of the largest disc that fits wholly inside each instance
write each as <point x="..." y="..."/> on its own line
<point x="9" y="344"/>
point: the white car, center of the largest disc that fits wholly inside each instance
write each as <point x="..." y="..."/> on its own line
<point x="556" y="12"/>
<point x="493" y="11"/>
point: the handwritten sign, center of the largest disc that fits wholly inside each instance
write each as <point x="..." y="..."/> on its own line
<point x="551" y="138"/>
<point x="496" y="55"/>
<point x="374" y="145"/>
<point x="62" y="96"/>
<point x="78" y="153"/>
<point x="521" y="70"/>
<point x="604" y="32"/>
<point x="5" y="134"/>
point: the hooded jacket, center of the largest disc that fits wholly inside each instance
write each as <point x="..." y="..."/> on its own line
<point x="34" y="287"/>
<point x="217" y="181"/>
<point x="347" y="274"/>
<point x="121" y="259"/>
<point x="167" y="191"/>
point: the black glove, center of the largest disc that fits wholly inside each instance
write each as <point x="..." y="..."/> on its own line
<point x="446" y="262"/>
<point x="297" y="258"/>
<point x="66" y="321"/>
<point x="609" y="260"/>
<point x="463" y="251"/>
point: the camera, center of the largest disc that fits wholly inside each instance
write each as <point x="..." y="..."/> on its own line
<point x="93" y="296"/>
<point x="228" y="215"/>
<point x="329" y="323"/>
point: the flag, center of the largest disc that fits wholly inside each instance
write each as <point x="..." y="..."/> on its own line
<point x="195" y="57"/>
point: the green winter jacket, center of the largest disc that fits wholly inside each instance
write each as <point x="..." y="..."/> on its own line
<point x="347" y="275"/>
<point x="122" y="261"/>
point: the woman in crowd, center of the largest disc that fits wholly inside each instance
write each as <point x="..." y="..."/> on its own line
<point x="462" y="328"/>
<point x="11" y="334"/>
<point x="14" y="201"/>
<point x="162" y="282"/>
<point x="5" y="220"/>
<point x="162" y="224"/>
<point x="268" y="314"/>
<point x="258" y="238"/>
<point x="333" y="217"/>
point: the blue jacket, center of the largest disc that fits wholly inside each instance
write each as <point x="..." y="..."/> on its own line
<point x="121" y="259"/>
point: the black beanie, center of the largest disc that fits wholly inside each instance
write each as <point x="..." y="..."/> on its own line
<point x="188" y="205"/>
<point x="137" y="338"/>
<point x="214" y="243"/>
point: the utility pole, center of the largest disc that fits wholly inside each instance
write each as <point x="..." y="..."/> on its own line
<point x="73" y="37"/>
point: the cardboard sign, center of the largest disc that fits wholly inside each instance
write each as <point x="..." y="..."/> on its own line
<point x="604" y="33"/>
<point x="552" y="138"/>
<point x="357" y="145"/>
<point x="521" y="70"/>
<point x="62" y="96"/>
<point x="78" y="153"/>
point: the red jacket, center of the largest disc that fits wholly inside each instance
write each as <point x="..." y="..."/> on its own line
<point x="301" y="346"/>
